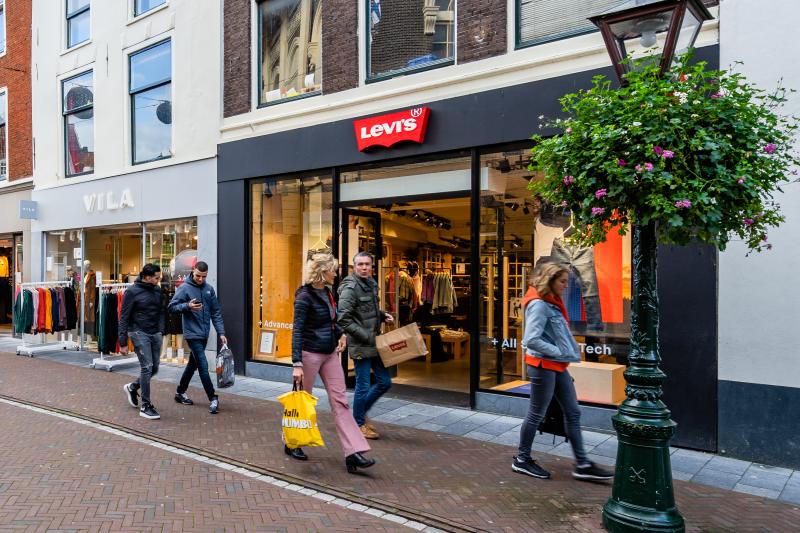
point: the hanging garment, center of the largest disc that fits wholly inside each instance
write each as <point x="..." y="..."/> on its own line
<point x="427" y="289"/>
<point x="35" y="311"/>
<point x="70" y="309"/>
<point x="111" y="322"/>
<point x="41" y="316"/>
<point x="62" y="309"/>
<point x="54" y="311"/>
<point x="23" y="318"/>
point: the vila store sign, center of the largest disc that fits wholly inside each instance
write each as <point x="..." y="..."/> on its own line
<point x="388" y="130"/>
<point x="107" y="201"/>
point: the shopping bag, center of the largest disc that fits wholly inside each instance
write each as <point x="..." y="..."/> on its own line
<point x="401" y="344"/>
<point x="299" y="420"/>
<point x="225" y="374"/>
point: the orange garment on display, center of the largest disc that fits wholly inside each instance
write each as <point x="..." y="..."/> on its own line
<point x="608" y="267"/>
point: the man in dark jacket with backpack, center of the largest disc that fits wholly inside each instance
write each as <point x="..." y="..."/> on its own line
<point x="197" y="302"/>
<point x="142" y="320"/>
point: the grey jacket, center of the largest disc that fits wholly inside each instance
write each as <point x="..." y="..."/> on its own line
<point x="547" y="334"/>
<point x="359" y="315"/>
<point x="196" y="324"/>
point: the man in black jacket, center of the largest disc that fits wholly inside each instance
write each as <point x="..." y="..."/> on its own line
<point x="142" y="319"/>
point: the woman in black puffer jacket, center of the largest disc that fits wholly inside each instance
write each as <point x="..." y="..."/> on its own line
<point x="317" y="341"/>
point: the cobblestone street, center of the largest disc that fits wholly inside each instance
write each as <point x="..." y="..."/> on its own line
<point x="437" y="478"/>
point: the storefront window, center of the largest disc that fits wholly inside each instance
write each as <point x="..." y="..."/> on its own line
<point x="519" y="233"/>
<point x="291" y="49"/>
<point x="406" y="35"/>
<point x="291" y="219"/>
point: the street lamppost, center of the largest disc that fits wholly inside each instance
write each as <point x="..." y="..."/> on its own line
<point x="642" y="497"/>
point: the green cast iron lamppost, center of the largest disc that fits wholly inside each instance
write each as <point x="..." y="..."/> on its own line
<point x="642" y="497"/>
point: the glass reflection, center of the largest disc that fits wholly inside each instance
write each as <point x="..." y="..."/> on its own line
<point x="151" y="66"/>
<point x="152" y="118"/>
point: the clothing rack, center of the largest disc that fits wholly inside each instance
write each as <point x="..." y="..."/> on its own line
<point x="109" y="364"/>
<point x="44" y="346"/>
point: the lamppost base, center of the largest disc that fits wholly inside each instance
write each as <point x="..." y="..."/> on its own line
<point x="621" y="518"/>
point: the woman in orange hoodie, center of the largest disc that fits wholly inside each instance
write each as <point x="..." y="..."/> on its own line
<point x="549" y="349"/>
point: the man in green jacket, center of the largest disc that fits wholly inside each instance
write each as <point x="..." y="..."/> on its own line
<point x="361" y="318"/>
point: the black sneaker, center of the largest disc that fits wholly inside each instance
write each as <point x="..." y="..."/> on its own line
<point x="592" y="472"/>
<point x="214" y="407"/>
<point x="180" y="397"/>
<point x="530" y="468"/>
<point x="149" y="412"/>
<point x="132" y="394"/>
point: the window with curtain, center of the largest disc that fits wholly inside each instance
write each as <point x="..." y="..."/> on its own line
<point x="541" y="21"/>
<point x="151" y="103"/>
<point x="78" y="109"/>
<point x="290" y="53"/>
<point x="405" y="35"/>
<point x="78" y="22"/>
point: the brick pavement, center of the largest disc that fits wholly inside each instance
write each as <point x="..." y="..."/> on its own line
<point x="58" y="475"/>
<point x="458" y="479"/>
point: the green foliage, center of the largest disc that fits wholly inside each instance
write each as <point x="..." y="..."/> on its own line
<point x="699" y="152"/>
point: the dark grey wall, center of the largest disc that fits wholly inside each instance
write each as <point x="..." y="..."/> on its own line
<point x="760" y="423"/>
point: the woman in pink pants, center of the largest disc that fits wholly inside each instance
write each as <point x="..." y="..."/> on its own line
<point x="317" y="342"/>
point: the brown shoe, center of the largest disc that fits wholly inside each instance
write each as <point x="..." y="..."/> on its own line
<point x="369" y="426"/>
<point x="368" y="433"/>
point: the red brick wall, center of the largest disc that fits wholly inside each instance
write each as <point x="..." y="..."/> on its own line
<point x="481" y="29"/>
<point x="15" y="68"/>
<point x="339" y="45"/>
<point x="236" y="63"/>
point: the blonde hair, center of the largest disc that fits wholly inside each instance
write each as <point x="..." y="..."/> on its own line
<point x="317" y="265"/>
<point x="542" y="281"/>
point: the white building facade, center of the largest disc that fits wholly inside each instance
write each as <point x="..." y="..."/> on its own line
<point x="126" y="111"/>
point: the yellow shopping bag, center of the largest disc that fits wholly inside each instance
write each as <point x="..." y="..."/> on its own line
<point x="299" y="420"/>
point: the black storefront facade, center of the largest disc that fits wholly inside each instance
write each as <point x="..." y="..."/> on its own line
<point x="453" y="213"/>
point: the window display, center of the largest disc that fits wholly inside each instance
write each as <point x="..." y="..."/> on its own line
<point x="291" y="219"/>
<point x="291" y="49"/>
<point x="409" y="34"/>
<point x="519" y="234"/>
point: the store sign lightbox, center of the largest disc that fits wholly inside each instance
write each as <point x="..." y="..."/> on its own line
<point x="387" y="130"/>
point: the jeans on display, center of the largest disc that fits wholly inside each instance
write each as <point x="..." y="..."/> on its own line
<point x="148" y="350"/>
<point x="329" y="368"/>
<point x="199" y="362"/>
<point x="581" y="260"/>
<point x="546" y="384"/>
<point x="365" y="396"/>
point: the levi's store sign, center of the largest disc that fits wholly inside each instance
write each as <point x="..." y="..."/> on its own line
<point x="387" y="130"/>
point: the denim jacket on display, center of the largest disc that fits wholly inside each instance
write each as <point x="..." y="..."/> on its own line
<point x="547" y="334"/>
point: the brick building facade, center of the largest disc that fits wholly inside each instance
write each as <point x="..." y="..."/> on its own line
<point x="15" y="78"/>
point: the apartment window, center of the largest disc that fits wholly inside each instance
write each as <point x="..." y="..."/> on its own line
<point x="77" y="22"/>
<point x="290" y="53"/>
<point x="2" y="26"/>
<point x="151" y="103"/>
<point x="540" y="21"/>
<point x="143" y="6"/>
<point x="3" y="137"/>
<point x="409" y="35"/>
<point x="78" y="108"/>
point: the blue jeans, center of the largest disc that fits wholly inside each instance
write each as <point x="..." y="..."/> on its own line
<point x="197" y="361"/>
<point x="366" y="396"/>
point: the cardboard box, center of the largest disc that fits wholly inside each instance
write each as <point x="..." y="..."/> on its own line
<point x="599" y="382"/>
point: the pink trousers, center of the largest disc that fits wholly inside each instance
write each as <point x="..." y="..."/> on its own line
<point x="330" y="371"/>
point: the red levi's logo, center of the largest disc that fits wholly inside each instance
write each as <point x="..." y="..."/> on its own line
<point x="398" y="346"/>
<point x="387" y="130"/>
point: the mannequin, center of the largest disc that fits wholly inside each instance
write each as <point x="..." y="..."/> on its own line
<point x="90" y="297"/>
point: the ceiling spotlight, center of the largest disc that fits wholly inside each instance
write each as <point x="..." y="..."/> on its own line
<point x="514" y="206"/>
<point x="416" y="215"/>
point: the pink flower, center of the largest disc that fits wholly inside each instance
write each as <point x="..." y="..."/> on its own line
<point x="568" y="180"/>
<point x="658" y="150"/>
<point x="683" y="204"/>
<point x="748" y="222"/>
<point x="638" y="168"/>
<point x="740" y="180"/>
<point x="569" y="130"/>
<point x="597" y="211"/>
<point x="648" y="167"/>
<point x="770" y="148"/>
<point x="717" y="95"/>
<point x="668" y="154"/>
<point x="564" y="203"/>
<point x="600" y="193"/>
<point x="621" y="162"/>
